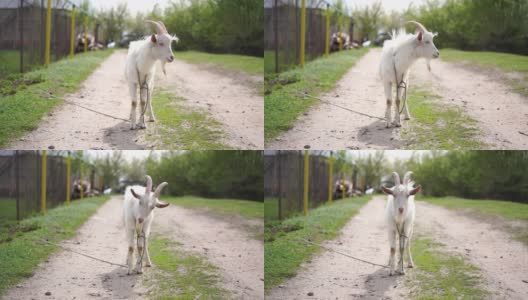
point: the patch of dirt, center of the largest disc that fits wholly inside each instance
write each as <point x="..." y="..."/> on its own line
<point x="68" y="275"/>
<point x="502" y="261"/>
<point x="236" y="105"/>
<point x="226" y="242"/>
<point x="501" y="114"/>
<point x="228" y="99"/>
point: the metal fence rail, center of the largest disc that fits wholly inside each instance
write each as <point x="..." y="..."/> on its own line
<point x="21" y="178"/>
<point x="284" y="180"/>
<point x="282" y="32"/>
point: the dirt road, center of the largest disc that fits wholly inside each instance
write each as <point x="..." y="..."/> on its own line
<point x="234" y="104"/>
<point x="500" y="113"/>
<point x="71" y="276"/>
<point x="332" y="276"/>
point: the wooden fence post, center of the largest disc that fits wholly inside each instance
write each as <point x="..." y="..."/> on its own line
<point x="330" y="174"/>
<point x="85" y="37"/>
<point x="43" y="181"/>
<point x="327" y="44"/>
<point x="48" y="35"/>
<point x="68" y="179"/>
<point x="72" y="33"/>
<point x="17" y="184"/>
<point x="280" y="186"/>
<point x="306" y="180"/>
<point x="81" y="181"/>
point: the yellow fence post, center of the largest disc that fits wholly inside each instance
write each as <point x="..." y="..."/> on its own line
<point x="85" y="37"/>
<point x="81" y="181"/>
<point x="303" y="33"/>
<point x="48" y="35"/>
<point x="306" y="180"/>
<point x="344" y="174"/>
<point x="330" y="174"/>
<point x="68" y="179"/>
<point x="72" y="34"/>
<point x="327" y="45"/>
<point x="43" y="185"/>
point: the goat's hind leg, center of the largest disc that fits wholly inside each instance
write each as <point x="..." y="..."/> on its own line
<point x="150" y="112"/>
<point x="392" y="241"/>
<point x="407" y="115"/>
<point x="130" y="255"/>
<point x="410" y="262"/>
<point x="143" y="107"/>
<point x="132" y="90"/>
<point x="397" y="121"/>
<point x="388" y="95"/>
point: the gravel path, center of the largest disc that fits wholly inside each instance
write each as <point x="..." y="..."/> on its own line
<point x="500" y="113"/>
<point x="235" y="104"/>
<point x="68" y="275"/>
<point x="503" y="262"/>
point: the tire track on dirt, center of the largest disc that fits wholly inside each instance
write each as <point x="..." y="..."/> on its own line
<point x="333" y="276"/>
<point x="237" y="106"/>
<point x="67" y="275"/>
<point x="500" y="113"/>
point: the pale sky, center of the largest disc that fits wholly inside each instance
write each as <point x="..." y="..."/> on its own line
<point x="134" y="6"/>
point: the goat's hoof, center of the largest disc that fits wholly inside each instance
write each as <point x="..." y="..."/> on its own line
<point x="139" y="271"/>
<point x="148" y="265"/>
<point x="132" y="127"/>
<point x="410" y="266"/>
<point x="407" y="118"/>
<point x="397" y="125"/>
<point x="142" y="126"/>
<point x="152" y="120"/>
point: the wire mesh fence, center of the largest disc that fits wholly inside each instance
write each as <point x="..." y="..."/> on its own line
<point x="21" y="175"/>
<point x="23" y="33"/>
<point x="282" y="32"/>
<point x="284" y="180"/>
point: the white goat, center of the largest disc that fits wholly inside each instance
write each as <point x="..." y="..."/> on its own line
<point x="138" y="213"/>
<point x="397" y="57"/>
<point x="400" y="212"/>
<point x="140" y="70"/>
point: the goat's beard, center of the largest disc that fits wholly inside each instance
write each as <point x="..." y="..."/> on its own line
<point x="163" y="68"/>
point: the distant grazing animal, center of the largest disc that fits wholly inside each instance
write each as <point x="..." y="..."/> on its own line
<point x="342" y="187"/>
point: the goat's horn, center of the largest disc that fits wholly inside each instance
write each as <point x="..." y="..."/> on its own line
<point x="148" y="185"/>
<point x="163" y="26"/>
<point x="407" y="177"/>
<point x="422" y="28"/>
<point x="396" y="178"/>
<point x="159" y="28"/>
<point x="160" y="187"/>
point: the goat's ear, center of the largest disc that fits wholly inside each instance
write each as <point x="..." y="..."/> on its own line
<point x="420" y="36"/>
<point x="153" y="38"/>
<point x="160" y="204"/>
<point x="386" y="190"/>
<point x="134" y="194"/>
<point x="415" y="190"/>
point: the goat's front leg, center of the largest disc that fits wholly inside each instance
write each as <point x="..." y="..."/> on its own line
<point x="143" y="107"/>
<point x="397" y="122"/>
<point x="410" y="262"/>
<point x="148" y="263"/>
<point x="130" y="255"/>
<point x="407" y="115"/>
<point x="132" y="90"/>
<point x="150" y="112"/>
<point x="388" y="95"/>
<point x="141" y="254"/>
<point x="392" y="241"/>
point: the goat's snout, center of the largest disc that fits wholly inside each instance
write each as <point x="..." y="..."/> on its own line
<point x="436" y="55"/>
<point x="171" y="58"/>
<point x="400" y="210"/>
<point x="140" y="220"/>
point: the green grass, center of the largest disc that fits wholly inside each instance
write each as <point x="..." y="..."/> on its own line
<point x="23" y="111"/>
<point x="7" y="210"/>
<point x="284" y="103"/>
<point x="245" y="208"/>
<point x="10" y="62"/>
<point x="439" y="275"/>
<point x="271" y="209"/>
<point x="503" y="61"/>
<point x="182" y="127"/>
<point x="248" y="64"/>
<point x="507" y="210"/>
<point x="435" y="126"/>
<point x="21" y="249"/>
<point x="284" y="250"/>
<point x="181" y="275"/>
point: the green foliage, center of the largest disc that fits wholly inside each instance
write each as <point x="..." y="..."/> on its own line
<point x="284" y="102"/>
<point x="368" y="19"/>
<point x="271" y="209"/>
<point x="476" y="25"/>
<point x="111" y="166"/>
<point x="10" y="62"/>
<point x="440" y="275"/>
<point x="233" y="26"/>
<point x="218" y="174"/>
<point x="22" y="249"/>
<point x="23" y="111"/>
<point x="284" y="250"/>
<point x="248" y="209"/>
<point x="181" y="274"/>
<point x="474" y="174"/>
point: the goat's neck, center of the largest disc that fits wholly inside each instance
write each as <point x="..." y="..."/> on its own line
<point x="404" y="57"/>
<point x="146" y="62"/>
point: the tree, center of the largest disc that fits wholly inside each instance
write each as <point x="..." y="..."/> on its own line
<point x="368" y="19"/>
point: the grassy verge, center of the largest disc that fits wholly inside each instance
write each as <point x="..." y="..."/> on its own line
<point x="249" y="64"/>
<point x="271" y="209"/>
<point x="284" y="102"/>
<point x="22" y="111"/>
<point x="440" y="275"/>
<point x="510" y="211"/>
<point x="7" y="210"/>
<point x="21" y="249"/>
<point x="181" y="275"/>
<point x="10" y="62"/>
<point x="245" y="208"/>
<point x="283" y="250"/>
<point x="182" y="127"/>
<point x="435" y="126"/>
<point x="494" y="60"/>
